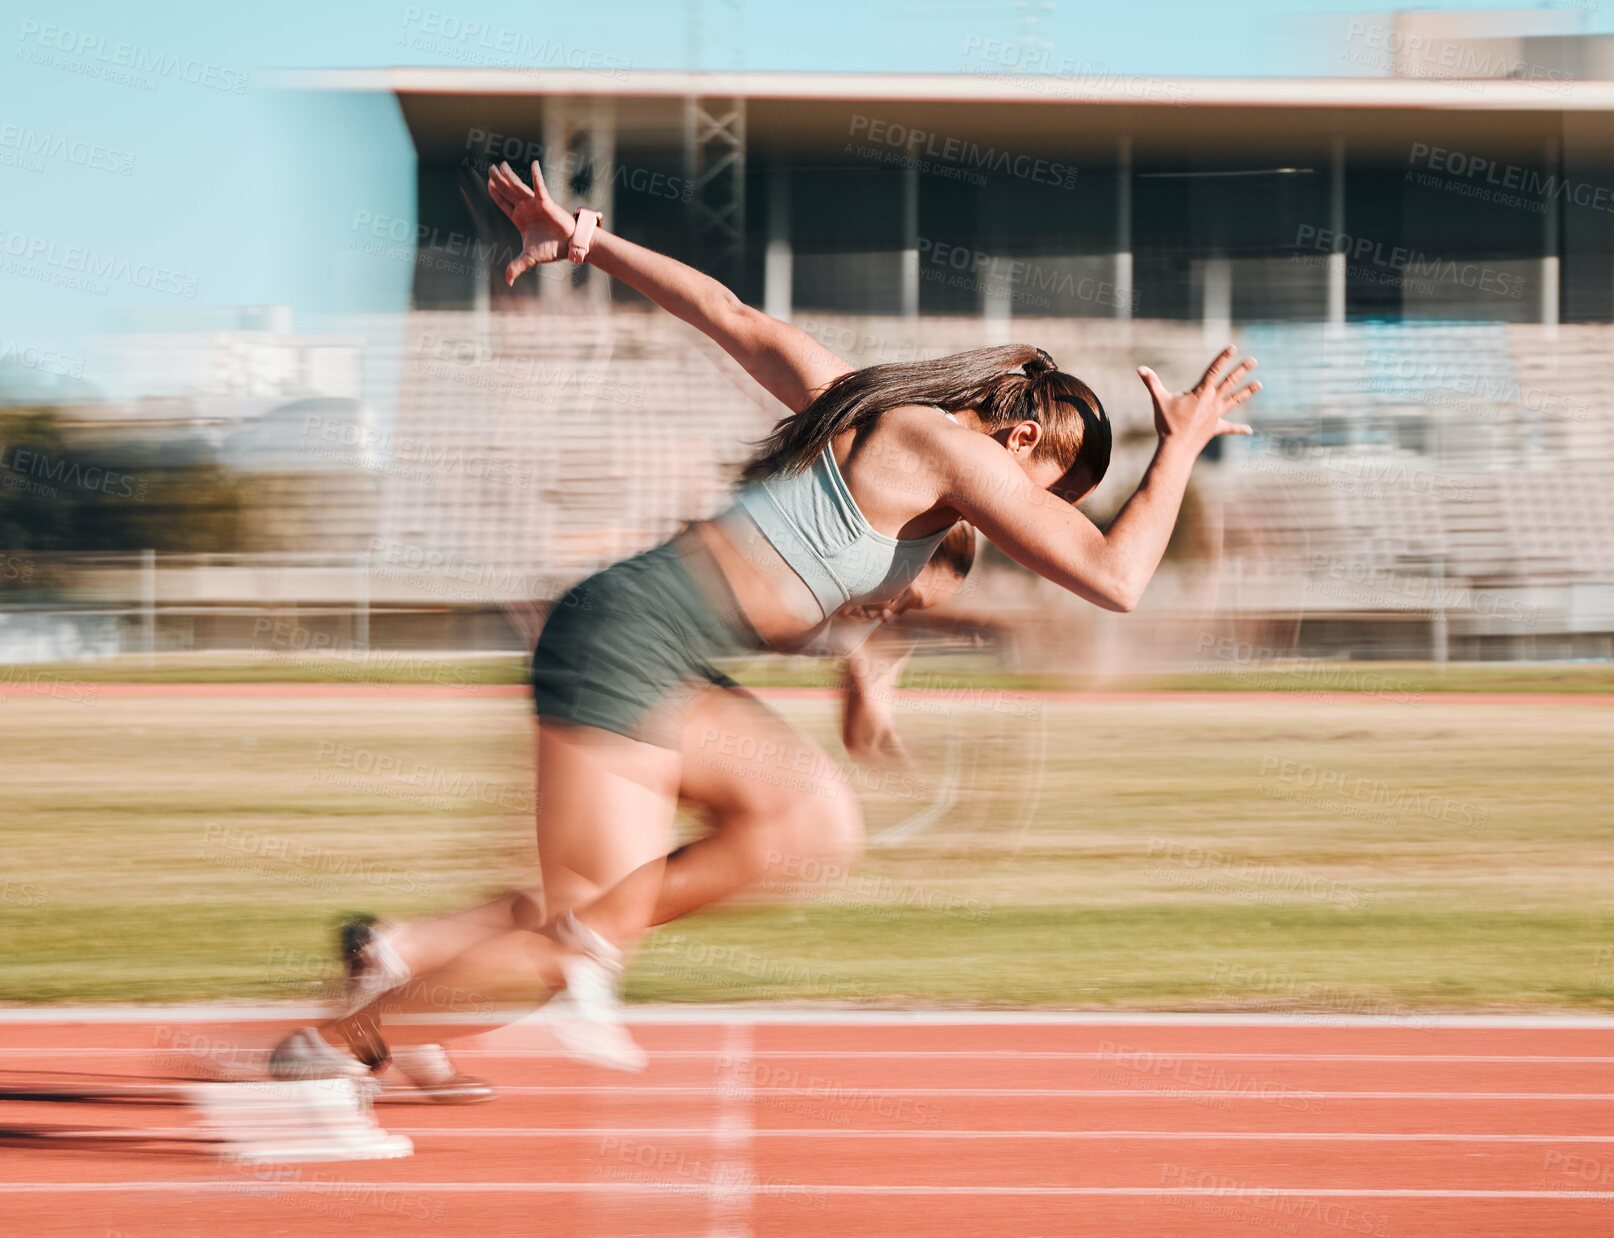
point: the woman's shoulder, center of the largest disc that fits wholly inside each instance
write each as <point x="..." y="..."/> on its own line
<point x="918" y="419"/>
<point x="916" y="439"/>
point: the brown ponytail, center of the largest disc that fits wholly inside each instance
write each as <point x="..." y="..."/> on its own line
<point x="1004" y="385"/>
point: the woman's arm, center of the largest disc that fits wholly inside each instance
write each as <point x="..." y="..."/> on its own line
<point x="1043" y="532"/>
<point x="869" y="681"/>
<point x="787" y="362"/>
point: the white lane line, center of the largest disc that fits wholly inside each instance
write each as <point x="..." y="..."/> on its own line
<point x="730" y="1208"/>
<point x="1040" y="1055"/>
<point x="706" y="1132"/>
<point x="798" y="1016"/>
<point x="720" y="1134"/>
<point x="214" y="1186"/>
<point x="1272" y="1093"/>
<point x="1268" y="1093"/>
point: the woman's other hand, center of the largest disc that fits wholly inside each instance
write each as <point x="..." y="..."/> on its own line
<point x="1200" y="414"/>
<point x="544" y="227"/>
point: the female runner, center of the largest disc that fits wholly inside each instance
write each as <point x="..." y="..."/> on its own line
<point x="843" y="505"/>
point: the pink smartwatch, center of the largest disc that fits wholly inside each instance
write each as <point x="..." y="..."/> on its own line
<point x="583" y="234"/>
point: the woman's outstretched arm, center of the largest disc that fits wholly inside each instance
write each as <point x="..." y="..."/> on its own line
<point x="791" y="365"/>
<point x="1042" y="531"/>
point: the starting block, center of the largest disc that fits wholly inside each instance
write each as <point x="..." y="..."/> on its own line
<point x="305" y="1120"/>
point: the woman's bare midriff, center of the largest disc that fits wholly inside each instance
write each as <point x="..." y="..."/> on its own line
<point x="777" y="602"/>
<point x="781" y="608"/>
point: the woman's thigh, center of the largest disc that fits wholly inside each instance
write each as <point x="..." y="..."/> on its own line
<point x="752" y="771"/>
<point x="605" y="807"/>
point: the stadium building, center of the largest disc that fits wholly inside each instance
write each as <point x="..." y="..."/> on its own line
<point x="1423" y="260"/>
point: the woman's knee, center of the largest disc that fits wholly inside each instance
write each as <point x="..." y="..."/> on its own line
<point x="844" y="837"/>
<point x="528" y="911"/>
<point x="821" y="830"/>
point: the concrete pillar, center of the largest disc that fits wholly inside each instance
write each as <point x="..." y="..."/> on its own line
<point x="1335" y="316"/>
<point x="910" y="240"/>
<point x="1123" y="228"/>
<point x="1550" y="243"/>
<point x="1217" y="300"/>
<point x="778" y="264"/>
<point x="579" y="167"/>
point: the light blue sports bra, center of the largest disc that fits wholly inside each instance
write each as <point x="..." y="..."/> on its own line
<point x="815" y="524"/>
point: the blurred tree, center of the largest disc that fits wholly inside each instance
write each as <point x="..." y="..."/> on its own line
<point x="57" y="494"/>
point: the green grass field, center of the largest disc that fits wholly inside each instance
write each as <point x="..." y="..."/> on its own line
<point x="1391" y="680"/>
<point x="1342" y="852"/>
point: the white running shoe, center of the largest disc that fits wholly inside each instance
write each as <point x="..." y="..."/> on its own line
<point x="305" y="1120"/>
<point x="305" y="1054"/>
<point x="587" y="1017"/>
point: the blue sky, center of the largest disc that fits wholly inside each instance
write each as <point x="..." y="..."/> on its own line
<point x="196" y="186"/>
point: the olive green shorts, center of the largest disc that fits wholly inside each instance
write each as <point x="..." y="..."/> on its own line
<point x="628" y="647"/>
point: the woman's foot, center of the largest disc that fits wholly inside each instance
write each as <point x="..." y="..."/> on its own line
<point x="587" y="1016"/>
<point x="422" y="1071"/>
<point x="305" y="1054"/>
<point x="373" y="967"/>
<point x="427" y="1071"/>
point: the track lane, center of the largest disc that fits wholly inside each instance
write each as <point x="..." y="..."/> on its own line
<point x="793" y="1130"/>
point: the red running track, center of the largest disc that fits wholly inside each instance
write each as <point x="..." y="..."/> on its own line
<point x="869" y="1127"/>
